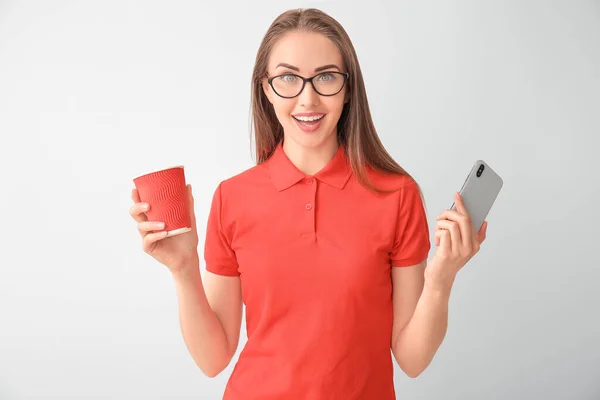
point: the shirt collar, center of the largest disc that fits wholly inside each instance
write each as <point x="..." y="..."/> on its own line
<point x="285" y="174"/>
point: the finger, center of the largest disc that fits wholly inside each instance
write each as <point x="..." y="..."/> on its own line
<point x="436" y="236"/>
<point x="455" y="234"/>
<point x="146" y="227"/>
<point x="149" y="241"/>
<point x="450" y="215"/>
<point x="466" y="226"/>
<point x="137" y="211"/>
<point x="135" y="196"/>
<point x="444" y="240"/>
<point x="467" y="230"/>
<point x="482" y="234"/>
<point x="460" y="205"/>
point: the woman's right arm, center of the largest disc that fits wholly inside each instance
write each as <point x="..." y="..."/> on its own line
<point x="210" y="312"/>
<point x="210" y="316"/>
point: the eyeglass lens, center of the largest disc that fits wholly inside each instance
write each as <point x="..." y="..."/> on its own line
<point x="326" y="84"/>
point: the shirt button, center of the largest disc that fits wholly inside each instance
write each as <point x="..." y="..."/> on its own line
<point x="310" y="181"/>
<point x="308" y="207"/>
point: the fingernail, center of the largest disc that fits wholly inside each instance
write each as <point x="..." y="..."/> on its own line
<point x="161" y="225"/>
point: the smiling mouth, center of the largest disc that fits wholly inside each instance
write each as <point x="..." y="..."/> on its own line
<point x="309" y="123"/>
<point x="309" y="120"/>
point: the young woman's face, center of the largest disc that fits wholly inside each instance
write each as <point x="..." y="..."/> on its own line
<point x="306" y="55"/>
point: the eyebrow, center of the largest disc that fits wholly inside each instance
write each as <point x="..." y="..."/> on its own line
<point x="323" y="68"/>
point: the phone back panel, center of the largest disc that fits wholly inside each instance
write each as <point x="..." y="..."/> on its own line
<point x="480" y="192"/>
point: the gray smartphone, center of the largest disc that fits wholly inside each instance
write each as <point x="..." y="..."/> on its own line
<point x="479" y="191"/>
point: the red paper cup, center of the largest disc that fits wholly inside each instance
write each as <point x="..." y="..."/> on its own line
<point x="166" y="193"/>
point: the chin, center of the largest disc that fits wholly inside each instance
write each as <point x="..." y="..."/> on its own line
<point x="311" y="140"/>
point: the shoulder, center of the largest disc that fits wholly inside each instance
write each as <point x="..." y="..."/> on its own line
<point x="244" y="181"/>
<point x="390" y="181"/>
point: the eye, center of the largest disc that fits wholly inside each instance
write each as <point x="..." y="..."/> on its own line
<point x="327" y="77"/>
<point x="288" y="78"/>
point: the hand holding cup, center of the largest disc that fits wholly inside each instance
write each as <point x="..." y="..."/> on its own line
<point x="164" y="210"/>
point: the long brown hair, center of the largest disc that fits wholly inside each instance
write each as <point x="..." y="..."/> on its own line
<point x="355" y="128"/>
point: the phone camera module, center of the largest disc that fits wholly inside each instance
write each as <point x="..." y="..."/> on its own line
<point x="480" y="170"/>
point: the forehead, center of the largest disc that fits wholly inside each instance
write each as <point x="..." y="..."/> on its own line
<point x="305" y="50"/>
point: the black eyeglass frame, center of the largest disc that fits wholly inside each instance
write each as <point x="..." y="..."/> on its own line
<point x="346" y="75"/>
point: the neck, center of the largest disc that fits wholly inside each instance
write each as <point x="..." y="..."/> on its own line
<point x="310" y="160"/>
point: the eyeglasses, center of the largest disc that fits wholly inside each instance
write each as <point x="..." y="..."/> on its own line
<point x="289" y="86"/>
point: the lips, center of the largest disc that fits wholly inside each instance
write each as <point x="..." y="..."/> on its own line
<point x="308" y="114"/>
<point x="309" y="126"/>
<point x="308" y="117"/>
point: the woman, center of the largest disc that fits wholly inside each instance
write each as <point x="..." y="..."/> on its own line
<point x="325" y="240"/>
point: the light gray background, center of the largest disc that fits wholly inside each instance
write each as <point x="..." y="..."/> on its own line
<point x="95" y="93"/>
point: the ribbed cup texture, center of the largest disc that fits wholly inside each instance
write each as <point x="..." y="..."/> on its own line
<point x="165" y="191"/>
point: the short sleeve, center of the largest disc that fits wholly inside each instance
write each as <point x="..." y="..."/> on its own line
<point x="220" y="258"/>
<point x="411" y="242"/>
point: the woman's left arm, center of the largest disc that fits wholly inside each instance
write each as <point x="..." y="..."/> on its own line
<point x="421" y="292"/>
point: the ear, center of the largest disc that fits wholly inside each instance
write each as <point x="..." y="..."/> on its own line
<point x="267" y="90"/>
<point x="347" y="96"/>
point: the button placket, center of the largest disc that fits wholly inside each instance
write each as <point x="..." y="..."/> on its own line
<point x="309" y="208"/>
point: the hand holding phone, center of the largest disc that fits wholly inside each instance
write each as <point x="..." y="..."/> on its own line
<point x="477" y="195"/>
<point x="479" y="192"/>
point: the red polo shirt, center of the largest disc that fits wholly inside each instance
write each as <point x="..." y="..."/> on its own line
<point x="314" y="255"/>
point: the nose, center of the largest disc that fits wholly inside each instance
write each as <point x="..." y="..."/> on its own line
<point x="309" y="97"/>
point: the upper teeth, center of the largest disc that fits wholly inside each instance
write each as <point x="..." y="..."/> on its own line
<point x="311" y="118"/>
